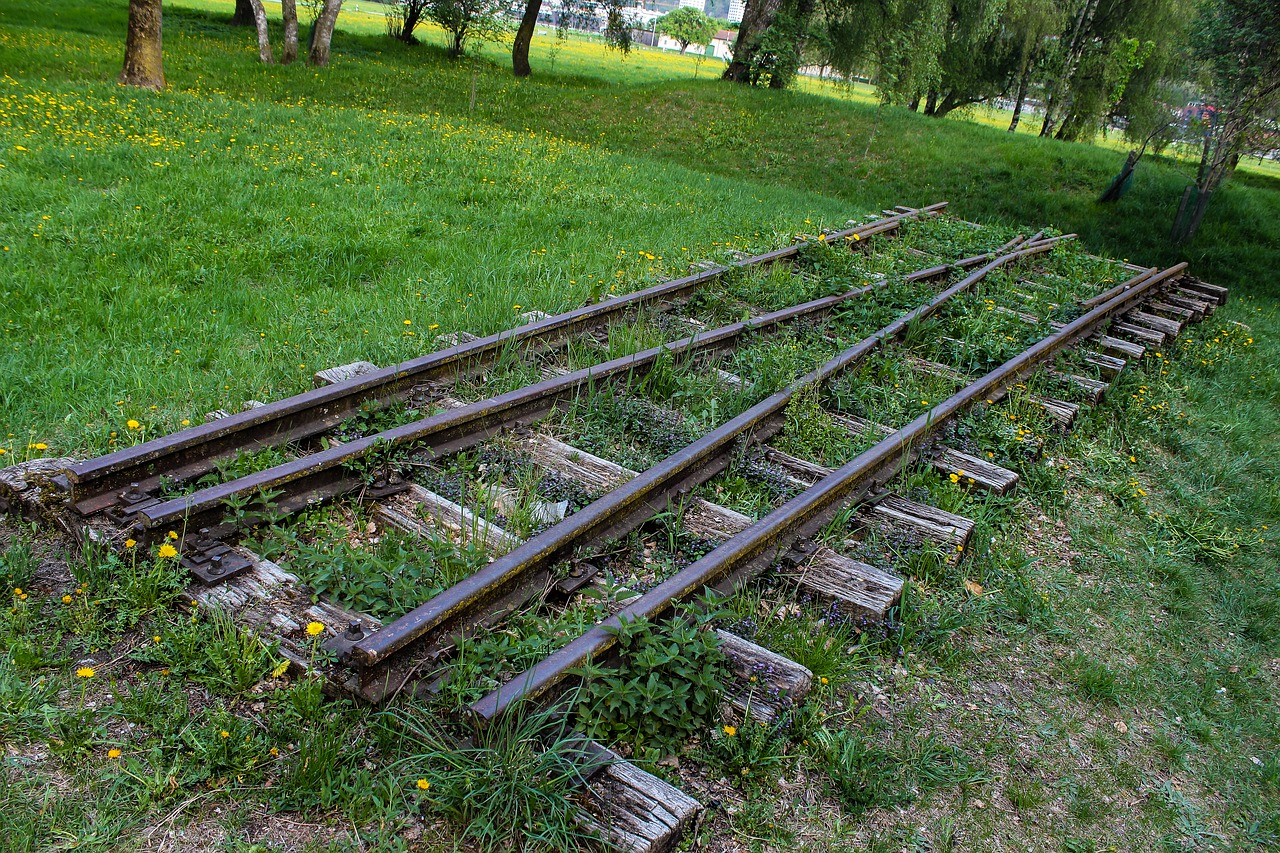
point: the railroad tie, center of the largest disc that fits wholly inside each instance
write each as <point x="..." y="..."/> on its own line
<point x="1169" y="328"/>
<point x="947" y="461"/>
<point x="866" y="591"/>
<point x="342" y="373"/>
<point x="1208" y="291"/>
<point x="417" y="510"/>
<point x="1139" y="334"/>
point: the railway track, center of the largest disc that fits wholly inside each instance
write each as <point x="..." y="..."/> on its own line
<point x="897" y="355"/>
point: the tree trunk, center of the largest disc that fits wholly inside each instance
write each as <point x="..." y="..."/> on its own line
<point x="243" y="16"/>
<point x="524" y="36"/>
<point x="1023" y="82"/>
<point x="1060" y="90"/>
<point x="931" y="104"/>
<point x="951" y="102"/>
<point x="289" y="8"/>
<point x="264" y="35"/>
<point x="914" y="104"/>
<point x="143" y="53"/>
<point x="756" y="18"/>
<point x="322" y="33"/>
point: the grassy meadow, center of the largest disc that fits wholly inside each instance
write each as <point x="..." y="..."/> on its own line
<point x="164" y="255"/>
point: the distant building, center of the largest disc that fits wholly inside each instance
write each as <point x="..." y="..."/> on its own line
<point x="700" y="5"/>
<point x="736" y="8"/>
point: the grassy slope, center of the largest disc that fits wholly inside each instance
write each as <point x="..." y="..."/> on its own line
<point x="245" y="252"/>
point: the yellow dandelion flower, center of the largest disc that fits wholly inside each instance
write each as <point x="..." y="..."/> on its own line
<point x="275" y="753"/>
<point x="730" y="731"/>
<point x="113" y="753"/>
<point x="408" y="322"/>
<point x="17" y="590"/>
<point x="224" y="734"/>
<point x="166" y="551"/>
<point x="824" y="680"/>
<point x="315" y="629"/>
<point x="423" y="784"/>
<point x="66" y="599"/>
<point x="186" y="422"/>
<point x="132" y="424"/>
<point x="172" y="534"/>
<point x="85" y="672"/>
<point x="40" y="445"/>
<point x="129" y="543"/>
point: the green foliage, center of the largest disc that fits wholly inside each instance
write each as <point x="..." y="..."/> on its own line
<point x="384" y="575"/>
<point x="212" y="651"/>
<point x="864" y="776"/>
<point x="1094" y="679"/>
<point x="751" y="751"/>
<point x="516" y="780"/>
<point x="471" y="21"/>
<point x="17" y="566"/>
<point x="665" y="687"/>
<point x="22" y="701"/>
<point x="687" y="25"/>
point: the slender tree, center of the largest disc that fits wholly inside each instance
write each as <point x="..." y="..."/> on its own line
<point x="243" y="15"/>
<point x="523" y="38"/>
<point x="143" y="50"/>
<point x="289" y="11"/>
<point x="570" y="13"/>
<point x="687" y="25"/>
<point x="1238" y="44"/>
<point x="403" y="17"/>
<point x="322" y="33"/>
<point x="264" y="34"/>
<point x="1029" y="24"/>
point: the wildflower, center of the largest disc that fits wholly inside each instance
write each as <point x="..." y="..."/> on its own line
<point x="40" y="445"/>
<point x="433" y="326"/>
<point x="85" y="672"/>
<point x="186" y="422"/>
<point x="156" y="638"/>
<point x="314" y="629"/>
<point x="166" y="551"/>
<point x="730" y="731"/>
<point x="129" y="543"/>
<point x="17" y="590"/>
<point x="516" y="307"/>
<point x="423" y="784"/>
<point x="824" y="680"/>
<point x="224" y="734"/>
<point x="408" y="322"/>
<point x="275" y="753"/>
<point x="66" y="599"/>
<point x="113" y="753"/>
<point x="132" y="424"/>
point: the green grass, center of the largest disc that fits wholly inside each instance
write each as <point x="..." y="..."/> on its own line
<point x="222" y="241"/>
<point x="1114" y="684"/>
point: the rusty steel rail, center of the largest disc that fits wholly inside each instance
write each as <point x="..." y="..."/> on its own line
<point x="190" y="453"/>
<point x="1095" y="301"/>
<point x="326" y="473"/>
<point x="517" y="575"/>
<point x="763" y="543"/>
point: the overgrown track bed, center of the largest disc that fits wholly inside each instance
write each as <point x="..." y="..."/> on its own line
<point x="631" y="459"/>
